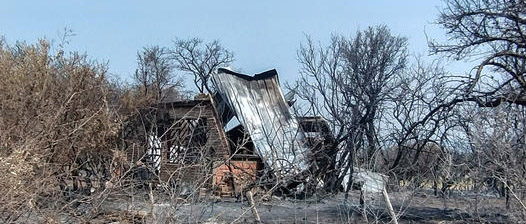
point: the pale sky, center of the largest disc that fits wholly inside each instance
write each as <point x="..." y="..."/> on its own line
<point x="262" y="34"/>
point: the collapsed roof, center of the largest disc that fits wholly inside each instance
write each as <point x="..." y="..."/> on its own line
<point x="259" y="105"/>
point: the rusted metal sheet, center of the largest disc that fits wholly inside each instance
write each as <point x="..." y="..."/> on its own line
<point x="261" y="108"/>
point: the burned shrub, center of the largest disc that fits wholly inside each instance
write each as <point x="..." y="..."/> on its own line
<point x="58" y="127"/>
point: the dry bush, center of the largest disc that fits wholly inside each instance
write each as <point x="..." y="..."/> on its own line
<point x="421" y="164"/>
<point x="58" y="126"/>
<point x="498" y="156"/>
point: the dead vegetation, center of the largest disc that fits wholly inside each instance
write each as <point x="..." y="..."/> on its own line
<point x="59" y="128"/>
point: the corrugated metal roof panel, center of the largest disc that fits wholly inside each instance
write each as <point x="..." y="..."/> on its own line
<point x="261" y="108"/>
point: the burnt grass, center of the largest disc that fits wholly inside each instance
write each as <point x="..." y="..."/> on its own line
<point x="411" y="207"/>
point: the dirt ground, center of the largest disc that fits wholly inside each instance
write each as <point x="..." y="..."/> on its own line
<point x="410" y="208"/>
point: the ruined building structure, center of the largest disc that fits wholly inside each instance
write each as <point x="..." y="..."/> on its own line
<point x="187" y="143"/>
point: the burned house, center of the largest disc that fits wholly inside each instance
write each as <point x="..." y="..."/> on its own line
<point x="187" y="143"/>
<point x="179" y="141"/>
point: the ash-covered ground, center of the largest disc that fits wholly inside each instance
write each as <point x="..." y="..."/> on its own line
<point x="413" y="207"/>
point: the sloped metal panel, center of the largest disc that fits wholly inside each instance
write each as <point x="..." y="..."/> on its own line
<point x="261" y="108"/>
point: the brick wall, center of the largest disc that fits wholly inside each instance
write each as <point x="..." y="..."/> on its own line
<point x="244" y="172"/>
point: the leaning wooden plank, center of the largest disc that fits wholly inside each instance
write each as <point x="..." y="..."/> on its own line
<point x="389" y="206"/>
<point x="253" y="206"/>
